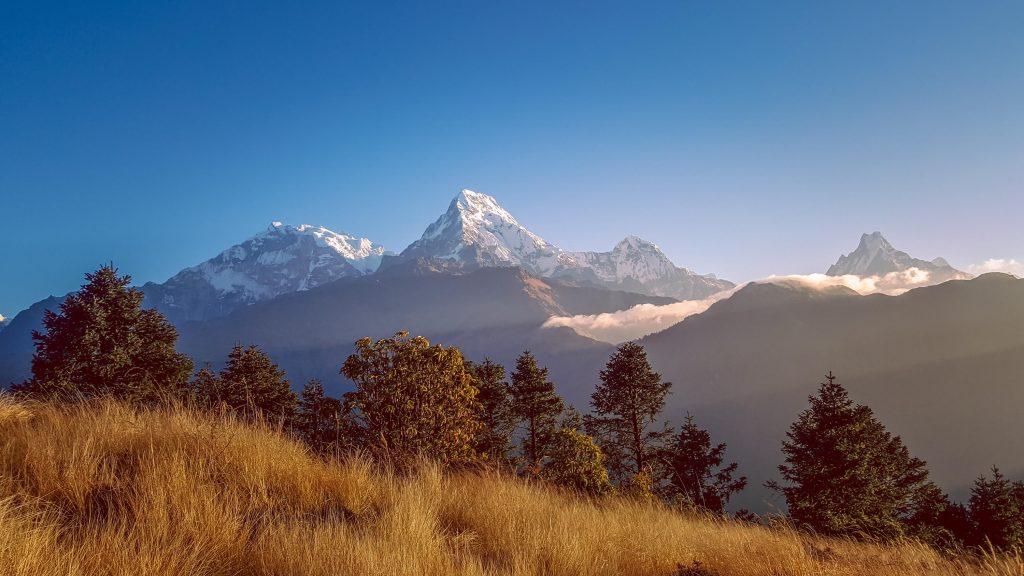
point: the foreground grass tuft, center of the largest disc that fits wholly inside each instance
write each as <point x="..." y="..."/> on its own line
<point x="107" y="489"/>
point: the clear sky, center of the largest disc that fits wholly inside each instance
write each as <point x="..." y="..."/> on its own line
<point x="744" y="138"/>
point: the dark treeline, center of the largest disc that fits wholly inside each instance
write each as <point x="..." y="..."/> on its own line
<point x="844" y="474"/>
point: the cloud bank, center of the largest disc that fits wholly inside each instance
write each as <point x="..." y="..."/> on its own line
<point x="1008" y="266"/>
<point x="635" y="322"/>
<point x="644" y="319"/>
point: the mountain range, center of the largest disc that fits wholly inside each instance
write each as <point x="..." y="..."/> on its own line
<point x="280" y="260"/>
<point x="942" y="365"/>
<point x="476" y="232"/>
<point x="951" y="350"/>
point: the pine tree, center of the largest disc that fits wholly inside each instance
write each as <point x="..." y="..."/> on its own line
<point x="497" y="420"/>
<point x="103" y="343"/>
<point x="574" y="461"/>
<point x="626" y="404"/>
<point x="206" y="385"/>
<point x="695" y="476"/>
<point x="318" y="420"/>
<point x="536" y="406"/>
<point x="847" y="475"/>
<point x="252" y="385"/>
<point x="412" y="399"/>
<point x="997" y="512"/>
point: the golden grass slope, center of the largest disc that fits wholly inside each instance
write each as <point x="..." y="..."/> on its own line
<point x="106" y="489"/>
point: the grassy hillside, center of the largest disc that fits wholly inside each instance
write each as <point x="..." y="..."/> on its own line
<point x="106" y="489"/>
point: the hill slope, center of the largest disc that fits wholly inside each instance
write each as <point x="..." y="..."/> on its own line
<point x="490" y="312"/>
<point x="109" y="490"/>
<point x="943" y="366"/>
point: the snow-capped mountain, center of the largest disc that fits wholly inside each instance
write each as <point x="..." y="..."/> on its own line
<point x="280" y="260"/>
<point x="875" y="256"/>
<point x="476" y="232"/>
<point x="3" y="322"/>
<point x="637" y="265"/>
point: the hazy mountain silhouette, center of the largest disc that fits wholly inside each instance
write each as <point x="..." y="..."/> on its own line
<point x="943" y="366"/>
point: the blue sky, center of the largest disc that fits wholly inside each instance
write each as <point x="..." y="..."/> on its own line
<point x="744" y="138"/>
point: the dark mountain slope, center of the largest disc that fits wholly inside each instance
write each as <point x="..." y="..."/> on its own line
<point x="943" y="366"/>
<point x="495" y="312"/>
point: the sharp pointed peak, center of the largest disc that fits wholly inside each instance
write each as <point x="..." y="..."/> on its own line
<point x="874" y="242"/>
<point x="873" y="237"/>
<point x="473" y="200"/>
<point x="469" y="205"/>
<point x="633" y="242"/>
<point x="472" y="195"/>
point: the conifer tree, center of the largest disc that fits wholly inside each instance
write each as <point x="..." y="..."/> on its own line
<point x="412" y="399"/>
<point x="694" y="472"/>
<point x="997" y="512"/>
<point x="847" y="475"/>
<point x="205" y="385"/>
<point x="626" y="404"/>
<point x="252" y="385"/>
<point x="497" y="420"/>
<point x="318" y="419"/>
<point x="103" y="343"/>
<point x="536" y="406"/>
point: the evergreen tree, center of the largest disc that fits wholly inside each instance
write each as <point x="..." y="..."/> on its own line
<point x="847" y="475"/>
<point x="626" y="404"/>
<point x="252" y="385"/>
<point x="103" y="343"/>
<point x="497" y="419"/>
<point x="997" y="512"/>
<point x="206" y="385"/>
<point x="574" y="461"/>
<point x="536" y="406"/>
<point x="318" y="420"/>
<point x="694" y="471"/>
<point x="412" y="398"/>
<point x="955" y="526"/>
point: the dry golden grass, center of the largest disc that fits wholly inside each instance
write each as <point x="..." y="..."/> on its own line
<point x="105" y="489"/>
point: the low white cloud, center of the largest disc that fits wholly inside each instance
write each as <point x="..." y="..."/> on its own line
<point x="892" y="283"/>
<point x="1008" y="266"/>
<point x="635" y="322"/>
<point x="644" y="319"/>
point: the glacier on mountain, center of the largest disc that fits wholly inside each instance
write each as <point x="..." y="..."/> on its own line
<point x="477" y="232"/>
<point x="279" y="260"/>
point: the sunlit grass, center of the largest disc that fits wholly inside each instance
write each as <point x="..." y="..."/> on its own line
<point x="106" y="489"/>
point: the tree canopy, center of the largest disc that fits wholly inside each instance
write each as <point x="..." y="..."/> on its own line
<point x="103" y="343"/>
<point x="627" y="402"/>
<point x="847" y="475"/>
<point x="412" y="399"/>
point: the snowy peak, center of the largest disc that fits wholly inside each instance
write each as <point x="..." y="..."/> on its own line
<point x="637" y="265"/>
<point x="481" y="209"/>
<point x="279" y="260"/>
<point x="477" y="232"/>
<point x="874" y="241"/>
<point x="635" y="243"/>
<point x="362" y="253"/>
<point x="875" y="256"/>
<point x="632" y="258"/>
